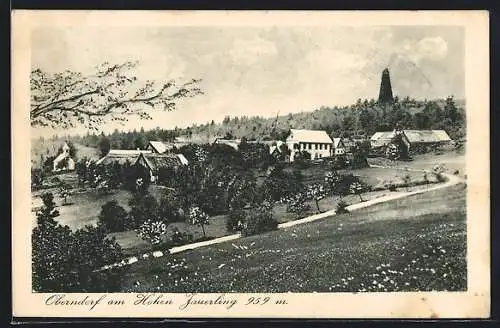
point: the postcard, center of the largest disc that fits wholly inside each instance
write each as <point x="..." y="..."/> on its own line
<point x="241" y="164"/>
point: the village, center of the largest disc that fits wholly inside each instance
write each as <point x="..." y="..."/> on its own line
<point x="183" y="191"/>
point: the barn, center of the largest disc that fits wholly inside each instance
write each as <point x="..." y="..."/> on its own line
<point x="155" y="162"/>
<point x="416" y="140"/>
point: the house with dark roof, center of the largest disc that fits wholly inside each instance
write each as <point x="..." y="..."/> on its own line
<point x="316" y="142"/>
<point x="155" y="162"/>
<point x="121" y="156"/>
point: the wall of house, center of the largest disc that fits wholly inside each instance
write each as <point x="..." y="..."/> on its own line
<point x="317" y="150"/>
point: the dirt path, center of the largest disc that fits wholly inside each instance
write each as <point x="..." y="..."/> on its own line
<point x="451" y="180"/>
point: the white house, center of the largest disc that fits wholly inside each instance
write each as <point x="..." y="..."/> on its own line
<point x="315" y="142"/>
<point x="63" y="161"/>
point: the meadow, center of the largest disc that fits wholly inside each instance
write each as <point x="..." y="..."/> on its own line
<point x="416" y="243"/>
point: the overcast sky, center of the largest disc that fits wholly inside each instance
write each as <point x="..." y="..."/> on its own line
<point x="260" y="71"/>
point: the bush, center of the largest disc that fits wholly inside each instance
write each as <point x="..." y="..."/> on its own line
<point x="66" y="261"/>
<point x="152" y="231"/>
<point x="180" y="238"/>
<point x="392" y="187"/>
<point x="235" y="221"/>
<point x="342" y="207"/>
<point x="343" y="185"/>
<point x="113" y="217"/>
<point x="259" y="220"/>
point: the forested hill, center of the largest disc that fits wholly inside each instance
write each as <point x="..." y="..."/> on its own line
<point x="359" y="120"/>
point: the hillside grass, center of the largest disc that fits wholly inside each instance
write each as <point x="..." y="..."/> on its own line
<point x="412" y="244"/>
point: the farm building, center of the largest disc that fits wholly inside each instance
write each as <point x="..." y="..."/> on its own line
<point x="315" y="142"/>
<point x="64" y="161"/>
<point x="121" y="156"/>
<point x="415" y="140"/>
<point x="154" y="162"/>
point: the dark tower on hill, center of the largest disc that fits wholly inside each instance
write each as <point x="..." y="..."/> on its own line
<point x="385" y="94"/>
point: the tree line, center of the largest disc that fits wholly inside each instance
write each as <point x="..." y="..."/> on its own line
<point x="358" y="121"/>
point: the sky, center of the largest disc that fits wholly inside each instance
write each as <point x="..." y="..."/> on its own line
<point x="264" y="70"/>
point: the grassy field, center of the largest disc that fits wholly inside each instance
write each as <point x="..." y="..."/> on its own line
<point x="411" y="244"/>
<point x="452" y="161"/>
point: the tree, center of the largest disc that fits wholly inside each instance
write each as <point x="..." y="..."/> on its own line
<point x="113" y="217"/>
<point x="91" y="250"/>
<point x="64" y="261"/>
<point x="143" y="207"/>
<point x="169" y="208"/>
<point x="316" y="192"/>
<point x="50" y="245"/>
<point x="426" y="179"/>
<point x="72" y="150"/>
<point x="64" y="193"/>
<point x="360" y="154"/>
<point x="199" y="218"/>
<point x="140" y="142"/>
<point x="259" y="220"/>
<point x="104" y="145"/>
<point x="297" y="203"/>
<point x="37" y="177"/>
<point x="332" y="178"/>
<point x="357" y="189"/>
<point x="113" y="92"/>
<point x="152" y="231"/>
<point x="407" y="181"/>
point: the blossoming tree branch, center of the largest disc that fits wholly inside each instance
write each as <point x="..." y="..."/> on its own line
<point x="112" y="93"/>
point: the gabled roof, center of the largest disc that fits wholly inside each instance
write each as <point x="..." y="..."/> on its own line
<point x="337" y="141"/>
<point x="234" y="143"/>
<point x="160" y="146"/>
<point x="121" y="156"/>
<point x="313" y="136"/>
<point x="276" y="147"/>
<point x="157" y="161"/>
<point x="427" y="135"/>
<point x="413" y="136"/>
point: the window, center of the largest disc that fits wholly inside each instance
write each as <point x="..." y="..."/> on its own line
<point x="310" y="145"/>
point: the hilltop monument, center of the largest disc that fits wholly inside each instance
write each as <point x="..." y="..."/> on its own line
<point x="385" y="94"/>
